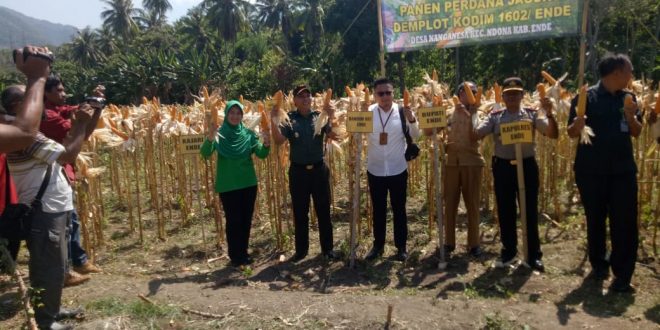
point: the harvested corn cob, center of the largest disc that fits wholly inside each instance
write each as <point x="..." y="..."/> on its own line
<point x="551" y="80"/>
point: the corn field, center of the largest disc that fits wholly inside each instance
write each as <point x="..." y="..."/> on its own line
<point x="137" y="156"/>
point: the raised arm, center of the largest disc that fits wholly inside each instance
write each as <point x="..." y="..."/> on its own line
<point x="20" y="134"/>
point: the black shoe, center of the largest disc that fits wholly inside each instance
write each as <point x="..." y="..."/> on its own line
<point x="401" y="255"/>
<point x="621" y="287"/>
<point x="69" y="314"/>
<point x="331" y="255"/>
<point x="448" y="249"/>
<point x="599" y="274"/>
<point x="298" y="256"/>
<point x="373" y="254"/>
<point x="536" y="264"/>
<point x="248" y="261"/>
<point x="476" y="251"/>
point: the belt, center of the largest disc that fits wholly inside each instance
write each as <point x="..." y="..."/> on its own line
<point x="308" y="166"/>
<point x="510" y="161"/>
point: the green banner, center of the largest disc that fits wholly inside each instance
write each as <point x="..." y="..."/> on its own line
<point x="415" y="24"/>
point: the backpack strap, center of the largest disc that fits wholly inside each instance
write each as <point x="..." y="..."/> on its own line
<point x="404" y="127"/>
<point x="44" y="184"/>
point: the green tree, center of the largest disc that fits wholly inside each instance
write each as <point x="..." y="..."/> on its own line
<point x="85" y="48"/>
<point x="120" y="18"/>
<point x="228" y="17"/>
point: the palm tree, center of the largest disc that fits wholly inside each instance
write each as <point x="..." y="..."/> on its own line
<point x="228" y="17"/>
<point x="150" y="18"/>
<point x="311" y="19"/>
<point x="158" y="6"/>
<point x="194" y="30"/>
<point x="155" y="12"/>
<point x="106" y="41"/>
<point x="85" y="48"/>
<point x="120" y="17"/>
<point x="275" y="14"/>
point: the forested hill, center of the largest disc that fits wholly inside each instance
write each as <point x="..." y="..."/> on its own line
<point x="17" y="30"/>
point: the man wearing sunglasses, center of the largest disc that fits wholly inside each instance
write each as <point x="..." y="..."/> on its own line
<point x="387" y="169"/>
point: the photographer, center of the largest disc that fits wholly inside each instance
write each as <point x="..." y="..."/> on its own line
<point x="47" y="241"/>
<point x="34" y="63"/>
<point x="56" y="125"/>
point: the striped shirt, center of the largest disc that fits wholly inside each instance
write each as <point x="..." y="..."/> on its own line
<point x="28" y="169"/>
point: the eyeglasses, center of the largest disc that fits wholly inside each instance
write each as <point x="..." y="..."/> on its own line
<point x="381" y="94"/>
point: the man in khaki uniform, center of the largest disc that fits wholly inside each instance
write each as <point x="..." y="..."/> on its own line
<point x="463" y="172"/>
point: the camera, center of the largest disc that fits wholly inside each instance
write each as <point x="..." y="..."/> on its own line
<point x="47" y="56"/>
<point x="95" y="101"/>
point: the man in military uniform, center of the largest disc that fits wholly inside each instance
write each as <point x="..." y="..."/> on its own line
<point x="308" y="173"/>
<point x="605" y="171"/>
<point x="505" y="175"/>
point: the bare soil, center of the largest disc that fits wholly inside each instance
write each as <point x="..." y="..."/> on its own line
<point x="184" y="273"/>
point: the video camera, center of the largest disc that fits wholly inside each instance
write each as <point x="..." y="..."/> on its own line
<point x="26" y="53"/>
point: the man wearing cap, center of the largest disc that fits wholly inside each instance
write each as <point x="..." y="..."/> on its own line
<point x="505" y="174"/>
<point x="463" y="171"/>
<point x="387" y="169"/>
<point x="606" y="173"/>
<point x="308" y="173"/>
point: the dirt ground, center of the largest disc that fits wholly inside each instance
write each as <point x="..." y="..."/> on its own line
<point x="190" y="285"/>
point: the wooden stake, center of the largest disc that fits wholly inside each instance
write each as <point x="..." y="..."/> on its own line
<point x="522" y="201"/>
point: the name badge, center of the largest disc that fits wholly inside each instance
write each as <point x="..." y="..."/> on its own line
<point x="383" y="138"/>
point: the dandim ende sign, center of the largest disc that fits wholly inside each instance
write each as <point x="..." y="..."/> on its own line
<point x="416" y="24"/>
<point x="516" y="132"/>
<point x="435" y="117"/>
<point x="360" y="122"/>
<point x="189" y="144"/>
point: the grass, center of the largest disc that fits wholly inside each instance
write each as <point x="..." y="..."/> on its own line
<point x="497" y="322"/>
<point x="136" y="310"/>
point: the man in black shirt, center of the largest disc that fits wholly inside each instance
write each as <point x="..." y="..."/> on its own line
<point x="605" y="171"/>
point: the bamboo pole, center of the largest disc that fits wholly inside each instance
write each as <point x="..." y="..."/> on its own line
<point x="522" y="199"/>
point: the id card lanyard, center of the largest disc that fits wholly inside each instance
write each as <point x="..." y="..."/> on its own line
<point x="383" y="134"/>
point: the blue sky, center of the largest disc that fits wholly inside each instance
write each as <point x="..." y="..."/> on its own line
<point x="81" y="13"/>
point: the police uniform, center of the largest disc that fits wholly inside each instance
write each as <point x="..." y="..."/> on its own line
<point x="506" y="180"/>
<point x="605" y="174"/>
<point x="308" y="176"/>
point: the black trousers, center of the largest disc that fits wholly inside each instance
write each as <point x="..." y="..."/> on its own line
<point x="613" y="196"/>
<point x="506" y="194"/>
<point x="239" y="207"/>
<point x="303" y="183"/>
<point x="397" y="186"/>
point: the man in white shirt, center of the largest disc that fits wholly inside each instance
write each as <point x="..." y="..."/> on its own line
<point x="387" y="169"/>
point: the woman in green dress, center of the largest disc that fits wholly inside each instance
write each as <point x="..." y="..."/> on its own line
<point x="236" y="179"/>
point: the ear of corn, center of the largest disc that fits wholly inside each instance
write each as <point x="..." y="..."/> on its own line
<point x="100" y="123"/>
<point x="551" y="80"/>
<point x="541" y="89"/>
<point x="349" y="91"/>
<point x="498" y="93"/>
<point x="657" y="102"/>
<point x="435" y="75"/>
<point x="367" y="98"/>
<point x="582" y="101"/>
<point x="328" y="97"/>
<point x="406" y="98"/>
<point x="279" y="99"/>
<point x="477" y="98"/>
<point x="456" y="100"/>
<point x="468" y="92"/>
<point x="628" y="100"/>
<point x="437" y="100"/>
<point x="264" y="123"/>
